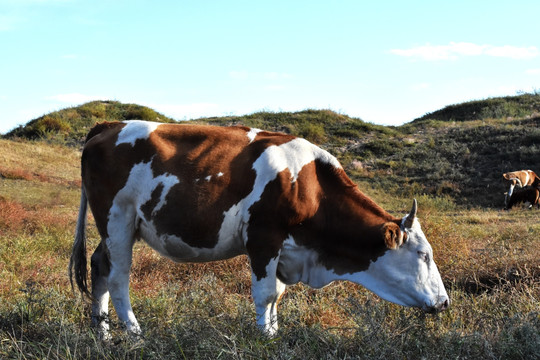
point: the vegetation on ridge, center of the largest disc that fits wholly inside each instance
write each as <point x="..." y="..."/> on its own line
<point x="518" y="106"/>
<point x="463" y="159"/>
<point x="70" y="126"/>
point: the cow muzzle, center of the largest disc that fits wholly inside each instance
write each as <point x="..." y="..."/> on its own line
<point x="440" y="304"/>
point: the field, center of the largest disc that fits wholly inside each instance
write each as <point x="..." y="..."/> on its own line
<point x="489" y="260"/>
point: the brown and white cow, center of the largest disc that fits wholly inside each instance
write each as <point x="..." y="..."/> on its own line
<point x="202" y="193"/>
<point x="529" y="195"/>
<point x="520" y="178"/>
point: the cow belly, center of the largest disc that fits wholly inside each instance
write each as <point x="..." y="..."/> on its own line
<point x="178" y="250"/>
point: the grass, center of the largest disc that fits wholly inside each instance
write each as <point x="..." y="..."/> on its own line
<point x="489" y="260"/>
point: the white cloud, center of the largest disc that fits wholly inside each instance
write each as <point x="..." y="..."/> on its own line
<point x="533" y="72"/>
<point x="74" y="98"/>
<point x="455" y="50"/>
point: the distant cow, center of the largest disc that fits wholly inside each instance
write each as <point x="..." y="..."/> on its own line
<point x="520" y="179"/>
<point x="201" y="193"/>
<point x="528" y="195"/>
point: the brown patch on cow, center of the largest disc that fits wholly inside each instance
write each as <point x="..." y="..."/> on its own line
<point x="346" y="229"/>
<point x="194" y="208"/>
<point x="284" y="205"/>
<point x="100" y="173"/>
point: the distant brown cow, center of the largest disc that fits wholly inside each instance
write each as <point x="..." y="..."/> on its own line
<point x="521" y="178"/>
<point x="527" y="195"/>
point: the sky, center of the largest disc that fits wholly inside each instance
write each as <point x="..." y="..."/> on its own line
<point x="385" y="62"/>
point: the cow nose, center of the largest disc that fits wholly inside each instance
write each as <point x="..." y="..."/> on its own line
<point x="442" y="304"/>
<point x="445" y="305"/>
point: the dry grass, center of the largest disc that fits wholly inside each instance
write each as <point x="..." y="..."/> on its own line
<point x="490" y="262"/>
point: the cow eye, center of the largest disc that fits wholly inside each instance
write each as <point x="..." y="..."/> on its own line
<point x="423" y="255"/>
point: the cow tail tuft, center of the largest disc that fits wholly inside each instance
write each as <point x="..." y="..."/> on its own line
<point x="77" y="262"/>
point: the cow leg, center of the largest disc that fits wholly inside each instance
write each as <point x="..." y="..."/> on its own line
<point x="100" y="292"/>
<point x="508" y="195"/>
<point x="120" y="248"/>
<point x="266" y="292"/>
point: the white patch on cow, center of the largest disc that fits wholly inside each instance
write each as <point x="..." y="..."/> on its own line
<point x="220" y="174"/>
<point x="208" y="178"/>
<point x="126" y="215"/>
<point x="135" y="130"/>
<point x="140" y="185"/>
<point x="137" y="192"/>
<point x="293" y="155"/>
<point x="252" y="134"/>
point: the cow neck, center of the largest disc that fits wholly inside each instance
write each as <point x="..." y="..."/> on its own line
<point x="346" y="230"/>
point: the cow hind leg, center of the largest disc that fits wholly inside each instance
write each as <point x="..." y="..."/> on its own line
<point x="120" y="248"/>
<point x="100" y="292"/>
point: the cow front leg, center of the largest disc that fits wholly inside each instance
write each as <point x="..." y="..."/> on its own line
<point x="508" y="195"/>
<point x="266" y="292"/>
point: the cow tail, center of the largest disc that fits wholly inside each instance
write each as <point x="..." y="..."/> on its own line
<point x="77" y="262"/>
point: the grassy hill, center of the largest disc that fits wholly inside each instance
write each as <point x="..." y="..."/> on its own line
<point x="459" y="152"/>
<point x="70" y="126"/>
<point x="519" y="106"/>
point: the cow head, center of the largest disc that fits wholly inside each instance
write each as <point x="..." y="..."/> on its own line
<point x="406" y="274"/>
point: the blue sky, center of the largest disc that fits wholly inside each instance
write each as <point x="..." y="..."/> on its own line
<point x="386" y="62"/>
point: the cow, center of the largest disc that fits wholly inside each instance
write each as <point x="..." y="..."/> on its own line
<point x="529" y="195"/>
<point x="198" y="193"/>
<point x="520" y="178"/>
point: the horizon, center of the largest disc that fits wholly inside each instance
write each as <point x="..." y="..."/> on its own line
<point x="386" y="63"/>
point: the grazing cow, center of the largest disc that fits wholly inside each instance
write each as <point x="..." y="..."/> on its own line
<point x="200" y="193"/>
<point x="520" y="178"/>
<point x="528" y="195"/>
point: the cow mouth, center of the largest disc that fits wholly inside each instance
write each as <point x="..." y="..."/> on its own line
<point x="437" y="308"/>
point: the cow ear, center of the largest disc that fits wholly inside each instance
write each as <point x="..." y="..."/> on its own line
<point x="392" y="235"/>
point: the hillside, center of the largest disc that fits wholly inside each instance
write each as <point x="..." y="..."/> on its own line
<point x="458" y="152"/>
<point x="70" y="126"/>
<point x="494" y="108"/>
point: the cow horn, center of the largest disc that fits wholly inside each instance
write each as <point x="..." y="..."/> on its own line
<point x="410" y="218"/>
